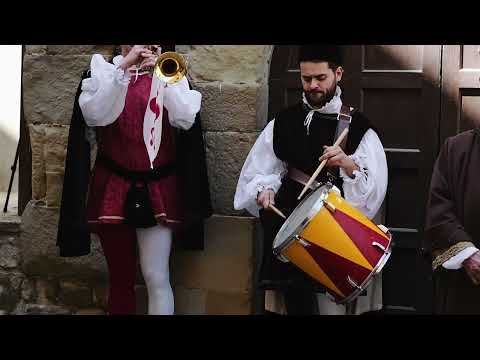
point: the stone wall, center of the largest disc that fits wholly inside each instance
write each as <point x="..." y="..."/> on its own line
<point x="234" y="83"/>
<point x="233" y="80"/>
<point x="37" y="285"/>
<point x="11" y="277"/>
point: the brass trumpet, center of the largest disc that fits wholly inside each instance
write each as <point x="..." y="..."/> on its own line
<point x="170" y="67"/>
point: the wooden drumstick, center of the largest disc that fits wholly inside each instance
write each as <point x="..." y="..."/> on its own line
<point x="322" y="164"/>
<point x="277" y="211"/>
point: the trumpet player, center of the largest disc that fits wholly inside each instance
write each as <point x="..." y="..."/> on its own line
<point x="149" y="173"/>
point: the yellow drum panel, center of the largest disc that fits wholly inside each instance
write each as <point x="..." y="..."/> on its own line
<point x="346" y="208"/>
<point x="324" y="231"/>
<point x="297" y="254"/>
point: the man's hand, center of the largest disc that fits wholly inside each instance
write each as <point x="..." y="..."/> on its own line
<point x="265" y="198"/>
<point x="472" y="267"/>
<point x="137" y="55"/>
<point x="336" y="157"/>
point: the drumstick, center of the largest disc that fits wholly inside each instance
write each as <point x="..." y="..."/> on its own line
<point x="322" y="164"/>
<point x="277" y="211"/>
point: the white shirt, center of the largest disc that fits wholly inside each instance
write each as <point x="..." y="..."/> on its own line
<point x="103" y="95"/>
<point x="262" y="169"/>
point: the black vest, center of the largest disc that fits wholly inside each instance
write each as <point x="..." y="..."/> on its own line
<point x="292" y="145"/>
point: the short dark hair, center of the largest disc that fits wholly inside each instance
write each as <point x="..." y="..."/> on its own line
<point x="321" y="53"/>
<point x="332" y="65"/>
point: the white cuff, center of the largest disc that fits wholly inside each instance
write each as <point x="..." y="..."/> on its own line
<point x="357" y="174"/>
<point x="122" y="76"/>
<point x="455" y="262"/>
<point x="262" y="182"/>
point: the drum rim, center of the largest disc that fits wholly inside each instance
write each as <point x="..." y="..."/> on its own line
<point x="317" y="206"/>
<point x="376" y="270"/>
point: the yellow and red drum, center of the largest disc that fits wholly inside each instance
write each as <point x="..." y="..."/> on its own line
<point x="334" y="243"/>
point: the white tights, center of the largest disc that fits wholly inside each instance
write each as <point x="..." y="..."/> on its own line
<point x="154" y="246"/>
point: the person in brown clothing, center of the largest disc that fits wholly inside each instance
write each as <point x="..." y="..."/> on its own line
<point x="452" y="228"/>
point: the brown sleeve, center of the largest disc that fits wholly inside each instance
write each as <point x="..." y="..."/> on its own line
<point x="443" y="229"/>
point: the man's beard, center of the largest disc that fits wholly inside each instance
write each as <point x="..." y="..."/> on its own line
<point x="319" y="99"/>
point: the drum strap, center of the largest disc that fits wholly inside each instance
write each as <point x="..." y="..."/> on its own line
<point x="344" y="119"/>
<point x="300" y="177"/>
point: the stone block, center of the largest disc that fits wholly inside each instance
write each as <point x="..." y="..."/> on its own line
<point x="41" y="309"/>
<point x="90" y="311"/>
<point x="232" y="107"/>
<point x="9" y="228"/>
<point x="226" y="154"/>
<point x="7" y="239"/>
<point x="9" y="256"/>
<point x="35" y="49"/>
<point x="49" y="86"/>
<point x="9" y="297"/>
<point x="228" y="303"/>
<point x="75" y="293"/>
<point x="40" y="253"/>
<point x="46" y="291"/>
<point x="28" y="290"/>
<point x="189" y="301"/>
<point x="226" y="263"/>
<point x="67" y="50"/>
<point x="16" y="279"/>
<point x="230" y="63"/>
<point x="39" y="181"/>
<point x="55" y="151"/>
<point x="100" y="295"/>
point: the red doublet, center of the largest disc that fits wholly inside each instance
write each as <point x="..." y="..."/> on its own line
<point x="123" y="143"/>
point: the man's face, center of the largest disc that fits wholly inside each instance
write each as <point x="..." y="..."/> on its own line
<point x="319" y="82"/>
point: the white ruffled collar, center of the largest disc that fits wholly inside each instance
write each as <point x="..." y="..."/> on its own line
<point x="332" y="107"/>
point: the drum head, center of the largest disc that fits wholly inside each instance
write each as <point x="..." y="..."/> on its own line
<point x="300" y="217"/>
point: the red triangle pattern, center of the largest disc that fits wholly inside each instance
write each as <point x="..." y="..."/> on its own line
<point x="362" y="236"/>
<point x="338" y="268"/>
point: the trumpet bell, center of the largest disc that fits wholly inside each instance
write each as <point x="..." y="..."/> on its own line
<point x="170" y="67"/>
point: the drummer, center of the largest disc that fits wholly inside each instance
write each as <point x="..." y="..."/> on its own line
<point x="300" y="137"/>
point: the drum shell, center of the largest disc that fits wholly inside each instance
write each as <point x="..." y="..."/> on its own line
<point x="347" y="261"/>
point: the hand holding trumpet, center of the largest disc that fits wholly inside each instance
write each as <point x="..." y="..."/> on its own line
<point x="170" y="66"/>
<point x="143" y="56"/>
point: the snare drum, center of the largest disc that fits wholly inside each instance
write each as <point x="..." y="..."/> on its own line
<point x="334" y="243"/>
